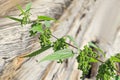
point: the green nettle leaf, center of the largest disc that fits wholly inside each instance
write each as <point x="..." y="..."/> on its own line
<point x="45" y="18"/>
<point x="47" y="23"/>
<point x="97" y="48"/>
<point x="85" y="57"/>
<point x="61" y="54"/>
<point x="74" y="42"/>
<point x="117" y="55"/>
<point x="117" y="77"/>
<point x="28" y="6"/>
<point x="38" y="51"/>
<point x="114" y="59"/>
<point x="21" y="10"/>
<point x="15" y="19"/>
<point x="32" y="33"/>
<point x="60" y="44"/>
<point x="106" y="71"/>
<point x="37" y="28"/>
<point x="93" y="60"/>
<point x="72" y="39"/>
<point x="45" y="38"/>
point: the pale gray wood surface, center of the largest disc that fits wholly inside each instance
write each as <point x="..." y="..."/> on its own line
<point x="85" y="20"/>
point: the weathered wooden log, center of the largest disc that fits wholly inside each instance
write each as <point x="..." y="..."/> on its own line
<point x="85" y="20"/>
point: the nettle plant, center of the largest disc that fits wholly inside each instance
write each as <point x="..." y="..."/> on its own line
<point x="62" y="51"/>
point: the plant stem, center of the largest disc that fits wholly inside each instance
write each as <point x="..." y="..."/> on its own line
<point x="66" y="43"/>
<point x="71" y="45"/>
<point x="77" y="48"/>
<point x="96" y="59"/>
<point x="88" y="55"/>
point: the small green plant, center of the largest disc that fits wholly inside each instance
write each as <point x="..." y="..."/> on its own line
<point x="89" y="54"/>
<point x="25" y="14"/>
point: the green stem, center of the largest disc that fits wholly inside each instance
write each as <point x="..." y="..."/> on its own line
<point x="66" y="42"/>
<point x="88" y="55"/>
<point x="77" y="48"/>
